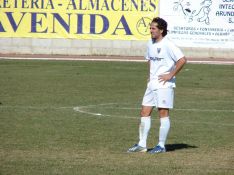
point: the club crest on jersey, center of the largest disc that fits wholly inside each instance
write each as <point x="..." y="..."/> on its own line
<point x="159" y="50"/>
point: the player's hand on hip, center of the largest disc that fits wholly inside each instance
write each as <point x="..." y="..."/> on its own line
<point x="164" y="78"/>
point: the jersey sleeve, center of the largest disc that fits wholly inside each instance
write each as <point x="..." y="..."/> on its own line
<point x="175" y="52"/>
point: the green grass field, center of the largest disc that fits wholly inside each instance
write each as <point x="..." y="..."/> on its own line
<point x="74" y="117"/>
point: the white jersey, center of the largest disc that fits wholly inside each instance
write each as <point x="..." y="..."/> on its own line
<point x="163" y="56"/>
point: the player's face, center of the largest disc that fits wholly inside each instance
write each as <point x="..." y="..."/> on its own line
<point x="155" y="32"/>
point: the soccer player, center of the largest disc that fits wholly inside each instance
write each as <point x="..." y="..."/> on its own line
<point x="165" y="61"/>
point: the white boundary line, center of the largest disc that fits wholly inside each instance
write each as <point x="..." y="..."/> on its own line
<point x="188" y="109"/>
<point x="225" y="62"/>
<point x="81" y="109"/>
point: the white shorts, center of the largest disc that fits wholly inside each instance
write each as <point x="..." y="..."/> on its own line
<point x="160" y="98"/>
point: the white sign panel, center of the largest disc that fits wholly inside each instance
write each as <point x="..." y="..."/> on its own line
<point x="200" y="23"/>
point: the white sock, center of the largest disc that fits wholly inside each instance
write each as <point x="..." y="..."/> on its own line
<point x="144" y="130"/>
<point x="163" y="130"/>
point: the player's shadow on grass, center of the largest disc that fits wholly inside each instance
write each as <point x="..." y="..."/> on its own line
<point x="174" y="147"/>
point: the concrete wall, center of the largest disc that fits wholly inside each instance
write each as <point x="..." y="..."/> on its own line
<point x="95" y="47"/>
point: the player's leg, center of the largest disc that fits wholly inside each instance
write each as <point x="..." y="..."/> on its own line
<point x="145" y="122"/>
<point x="164" y="126"/>
<point x="165" y="102"/>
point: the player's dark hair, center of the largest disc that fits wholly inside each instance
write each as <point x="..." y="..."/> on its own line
<point x="162" y="25"/>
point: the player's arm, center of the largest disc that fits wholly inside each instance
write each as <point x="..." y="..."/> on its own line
<point x="179" y="65"/>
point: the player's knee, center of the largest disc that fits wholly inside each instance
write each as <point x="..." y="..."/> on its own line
<point x="144" y="113"/>
<point x="163" y="112"/>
